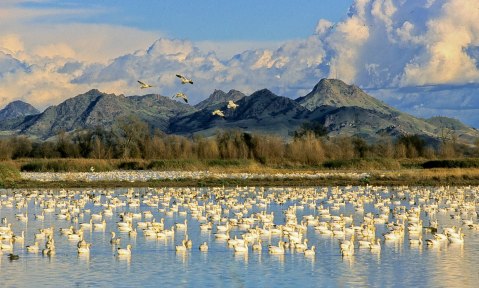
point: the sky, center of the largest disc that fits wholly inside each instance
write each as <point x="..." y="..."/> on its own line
<point x="421" y="56"/>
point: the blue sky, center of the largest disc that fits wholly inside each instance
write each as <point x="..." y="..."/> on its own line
<point x="206" y="19"/>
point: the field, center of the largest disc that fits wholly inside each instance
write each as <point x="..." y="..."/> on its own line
<point x="380" y="172"/>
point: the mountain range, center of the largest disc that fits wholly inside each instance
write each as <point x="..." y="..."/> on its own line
<point x="344" y="110"/>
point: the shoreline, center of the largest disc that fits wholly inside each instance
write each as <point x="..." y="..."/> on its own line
<point x="373" y="180"/>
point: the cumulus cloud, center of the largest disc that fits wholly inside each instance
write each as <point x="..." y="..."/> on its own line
<point x="444" y="58"/>
<point x="11" y="44"/>
<point x="379" y="44"/>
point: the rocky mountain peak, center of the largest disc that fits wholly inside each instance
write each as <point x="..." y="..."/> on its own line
<point x="218" y="97"/>
<point x="336" y="93"/>
<point x="17" y="109"/>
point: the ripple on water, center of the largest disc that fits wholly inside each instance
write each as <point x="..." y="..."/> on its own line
<point x="155" y="261"/>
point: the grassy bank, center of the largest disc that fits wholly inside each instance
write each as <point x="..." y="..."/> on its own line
<point x="406" y="178"/>
<point x="229" y="165"/>
<point x="382" y="172"/>
<point x="9" y="174"/>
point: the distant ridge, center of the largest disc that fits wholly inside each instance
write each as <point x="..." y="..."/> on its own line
<point x="94" y="108"/>
<point x="344" y="110"/>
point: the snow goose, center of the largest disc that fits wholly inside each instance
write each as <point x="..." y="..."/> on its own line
<point x="219" y="113"/>
<point x="124" y="251"/>
<point x="184" y="80"/>
<point x="232" y="105"/>
<point x="310" y="252"/>
<point x="143" y="85"/>
<point x="204" y="247"/>
<point x="182" y="96"/>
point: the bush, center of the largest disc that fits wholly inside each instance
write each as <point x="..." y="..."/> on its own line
<point x="131" y="165"/>
<point x="464" y="163"/>
<point x="66" y="165"/>
<point x="374" y="163"/>
<point x="173" y="164"/>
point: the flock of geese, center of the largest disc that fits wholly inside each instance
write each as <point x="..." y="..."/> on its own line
<point x="245" y="219"/>
<point x="185" y="80"/>
<point x="148" y="175"/>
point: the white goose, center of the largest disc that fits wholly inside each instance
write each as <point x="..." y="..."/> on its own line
<point x="100" y="226"/>
<point x="84" y="248"/>
<point x="232" y="105"/>
<point x="125" y="251"/>
<point x="19" y="238"/>
<point x="457" y="240"/>
<point x="310" y="252"/>
<point x="219" y="113"/>
<point x="182" y="96"/>
<point x="436" y="241"/>
<point x="276" y="249"/>
<point x="114" y="240"/>
<point x="258" y="246"/>
<point x="204" y="247"/>
<point x="375" y="246"/>
<point x="184" y="80"/>
<point x="33" y="248"/>
<point x="181" y="247"/>
<point x="143" y="85"/>
<point x="241" y="248"/>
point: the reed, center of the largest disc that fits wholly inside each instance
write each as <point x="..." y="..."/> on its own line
<point x="9" y="174"/>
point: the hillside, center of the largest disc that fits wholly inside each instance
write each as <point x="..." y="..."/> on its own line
<point x="344" y="110"/>
<point x="95" y="108"/>
<point x="262" y="112"/>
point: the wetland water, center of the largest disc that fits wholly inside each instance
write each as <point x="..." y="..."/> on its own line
<point x="270" y="214"/>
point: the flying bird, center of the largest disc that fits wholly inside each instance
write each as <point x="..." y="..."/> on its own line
<point x="181" y="95"/>
<point x="218" y="112"/>
<point x="184" y="80"/>
<point x="232" y="105"/>
<point x="143" y="85"/>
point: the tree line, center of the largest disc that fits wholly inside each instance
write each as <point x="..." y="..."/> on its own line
<point x="131" y="138"/>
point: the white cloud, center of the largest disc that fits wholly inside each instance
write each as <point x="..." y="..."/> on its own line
<point x="444" y="58"/>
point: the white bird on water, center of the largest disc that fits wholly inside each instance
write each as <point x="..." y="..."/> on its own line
<point x="218" y="112"/>
<point x="184" y="80"/>
<point x="232" y="105"/>
<point x="143" y="85"/>
<point x="181" y="95"/>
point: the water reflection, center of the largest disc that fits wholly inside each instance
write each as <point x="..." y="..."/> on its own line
<point x="270" y="214"/>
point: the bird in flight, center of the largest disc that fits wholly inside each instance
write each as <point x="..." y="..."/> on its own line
<point x="218" y="112"/>
<point x="184" y="80"/>
<point x="143" y="85"/>
<point x="181" y="95"/>
<point x="232" y="105"/>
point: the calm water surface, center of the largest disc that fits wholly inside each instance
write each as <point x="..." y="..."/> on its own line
<point x="154" y="262"/>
